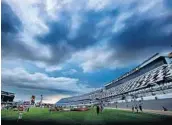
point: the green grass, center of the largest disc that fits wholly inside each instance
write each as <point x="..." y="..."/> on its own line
<point x="108" y="115"/>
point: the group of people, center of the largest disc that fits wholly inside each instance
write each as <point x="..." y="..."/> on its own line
<point x="137" y="107"/>
<point x="99" y="108"/>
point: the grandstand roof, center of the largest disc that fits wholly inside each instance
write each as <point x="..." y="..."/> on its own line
<point x="146" y="62"/>
<point x="7" y="93"/>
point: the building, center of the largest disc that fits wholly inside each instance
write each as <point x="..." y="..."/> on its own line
<point x="150" y="82"/>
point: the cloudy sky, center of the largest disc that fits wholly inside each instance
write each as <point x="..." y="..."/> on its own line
<point x="60" y="48"/>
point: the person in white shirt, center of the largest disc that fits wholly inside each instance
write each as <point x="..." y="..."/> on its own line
<point x="20" y="116"/>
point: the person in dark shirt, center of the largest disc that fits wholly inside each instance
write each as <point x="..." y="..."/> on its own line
<point x="97" y="109"/>
<point x="101" y="108"/>
<point x="136" y="107"/>
<point x="140" y="106"/>
<point x="28" y="109"/>
<point x="132" y="108"/>
<point x="50" y="109"/>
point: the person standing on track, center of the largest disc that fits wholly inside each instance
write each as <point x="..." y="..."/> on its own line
<point x="28" y="109"/>
<point x="136" y="107"/>
<point x="140" y="105"/>
<point x="50" y="109"/>
<point x="97" y="109"/>
<point x="132" y="108"/>
<point x="101" y="107"/>
<point x="20" y="116"/>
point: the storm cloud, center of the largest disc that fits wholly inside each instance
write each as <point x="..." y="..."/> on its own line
<point x="128" y="26"/>
<point x="73" y="38"/>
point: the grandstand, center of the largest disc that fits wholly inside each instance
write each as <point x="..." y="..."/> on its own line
<point x="150" y="82"/>
<point x="7" y="97"/>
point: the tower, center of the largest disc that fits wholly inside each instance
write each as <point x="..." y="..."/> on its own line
<point x="41" y="100"/>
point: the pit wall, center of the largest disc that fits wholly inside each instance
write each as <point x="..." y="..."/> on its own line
<point x="147" y="104"/>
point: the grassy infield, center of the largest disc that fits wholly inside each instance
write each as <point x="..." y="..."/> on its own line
<point x="108" y="115"/>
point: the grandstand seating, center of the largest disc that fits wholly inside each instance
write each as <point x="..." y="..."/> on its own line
<point x="146" y="80"/>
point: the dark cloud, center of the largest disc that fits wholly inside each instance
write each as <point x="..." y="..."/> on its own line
<point x="60" y="52"/>
<point x="85" y="35"/>
<point x="58" y="32"/>
<point x="62" y="46"/>
<point x="142" y="37"/>
<point x="9" y="20"/>
<point x="14" y="47"/>
<point x="11" y="43"/>
<point x="88" y="29"/>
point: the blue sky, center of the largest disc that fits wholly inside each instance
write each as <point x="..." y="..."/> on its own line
<point x="61" y="48"/>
